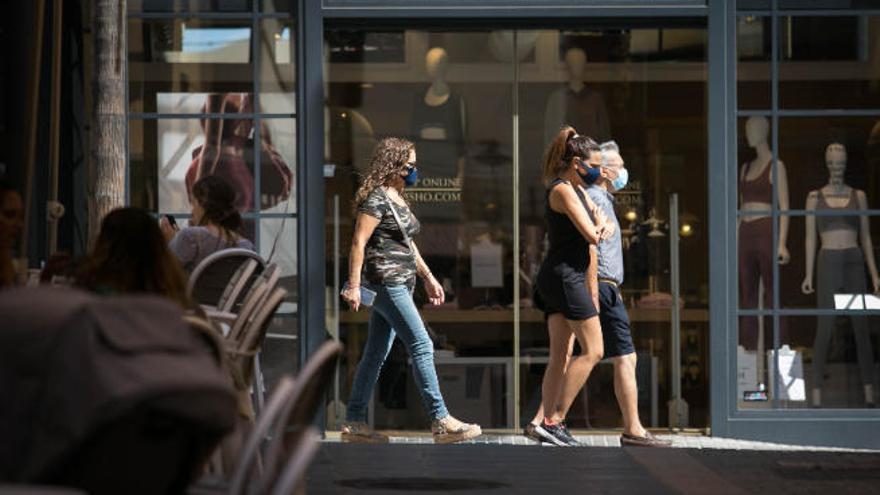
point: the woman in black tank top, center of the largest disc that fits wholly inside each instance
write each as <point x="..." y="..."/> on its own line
<point x="573" y="225"/>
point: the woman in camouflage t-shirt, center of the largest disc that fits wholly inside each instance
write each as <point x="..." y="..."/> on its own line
<point x="390" y="261"/>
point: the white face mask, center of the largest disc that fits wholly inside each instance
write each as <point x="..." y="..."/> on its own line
<point x="621" y="180"/>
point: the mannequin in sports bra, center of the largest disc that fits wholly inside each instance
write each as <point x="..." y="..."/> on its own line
<point x="844" y="251"/>
<point x="756" y="252"/>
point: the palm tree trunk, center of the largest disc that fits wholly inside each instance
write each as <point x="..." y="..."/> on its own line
<point x="107" y="174"/>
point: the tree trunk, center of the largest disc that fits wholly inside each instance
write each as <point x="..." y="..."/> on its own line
<point x="107" y="171"/>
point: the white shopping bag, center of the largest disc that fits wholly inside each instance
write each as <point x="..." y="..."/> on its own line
<point x="746" y="371"/>
<point x="790" y="375"/>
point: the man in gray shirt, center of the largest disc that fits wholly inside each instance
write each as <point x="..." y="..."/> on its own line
<point x="605" y="277"/>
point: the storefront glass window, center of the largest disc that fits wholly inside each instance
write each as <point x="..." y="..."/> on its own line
<point x="216" y="97"/>
<point x="808" y="194"/>
<point x="505" y="94"/>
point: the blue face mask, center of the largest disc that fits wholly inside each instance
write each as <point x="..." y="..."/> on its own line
<point x="621" y="180"/>
<point x="590" y="176"/>
<point x="412" y="177"/>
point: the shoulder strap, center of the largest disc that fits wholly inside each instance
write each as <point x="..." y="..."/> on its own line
<point x="406" y="238"/>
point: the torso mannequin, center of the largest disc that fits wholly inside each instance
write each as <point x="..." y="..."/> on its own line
<point x="576" y="104"/>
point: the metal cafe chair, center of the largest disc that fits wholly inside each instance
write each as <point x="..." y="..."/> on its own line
<point x="292" y="478"/>
<point x="244" y="340"/>
<point x="248" y="464"/>
<point x="312" y="383"/>
<point x="235" y="321"/>
<point x="209" y="283"/>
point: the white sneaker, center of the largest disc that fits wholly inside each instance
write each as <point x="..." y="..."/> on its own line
<point x="451" y="430"/>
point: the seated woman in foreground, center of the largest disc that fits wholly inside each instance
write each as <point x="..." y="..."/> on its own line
<point x="131" y="257"/>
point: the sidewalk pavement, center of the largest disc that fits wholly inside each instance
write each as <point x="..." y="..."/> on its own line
<point x="509" y="464"/>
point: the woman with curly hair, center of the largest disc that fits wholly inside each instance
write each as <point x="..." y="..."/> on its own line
<point x="382" y="248"/>
<point x="215" y="224"/>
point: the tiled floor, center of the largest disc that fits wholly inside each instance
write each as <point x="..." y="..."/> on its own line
<point x="688" y="441"/>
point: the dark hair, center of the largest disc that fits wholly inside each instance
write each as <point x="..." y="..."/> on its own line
<point x="217" y="199"/>
<point x="132" y="256"/>
<point x="566" y="145"/>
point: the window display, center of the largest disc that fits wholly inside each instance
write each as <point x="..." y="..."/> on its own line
<point x="465" y="98"/>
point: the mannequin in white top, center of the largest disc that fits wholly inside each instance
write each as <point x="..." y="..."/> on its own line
<point x="756" y="250"/>
<point x="846" y="249"/>
<point x="575" y="104"/>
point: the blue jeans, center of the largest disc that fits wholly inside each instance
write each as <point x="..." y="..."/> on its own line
<point x="394" y="312"/>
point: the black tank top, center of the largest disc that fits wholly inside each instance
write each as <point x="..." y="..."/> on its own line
<point x="568" y="248"/>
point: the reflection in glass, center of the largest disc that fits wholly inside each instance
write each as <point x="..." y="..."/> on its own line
<point x="277" y="6"/>
<point x="358" y="46"/>
<point x="174" y="62"/>
<point x="279" y="356"/>
<point x="829" y="62"/>
<point x="277" y="244"/>
<point x="277" y="78"/>
<point x="753" y="62"/>
<point x="168" y="156"/>
<point x="277" y="165"/>
<point x="244" y="6"/>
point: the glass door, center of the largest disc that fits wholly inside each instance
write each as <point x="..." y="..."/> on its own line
<point x="642" y="85"/>
<point x="450" y="93"/>
<point x="481" y="105"/>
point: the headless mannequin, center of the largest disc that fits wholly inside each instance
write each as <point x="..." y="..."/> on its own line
<point x="756" y="252"/>
<point x="575" y="104"/>
<point x="845" y="250"/>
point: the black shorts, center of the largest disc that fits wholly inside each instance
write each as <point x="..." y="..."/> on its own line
<point x="616" y="333"/>
<point x="566" y="294"/>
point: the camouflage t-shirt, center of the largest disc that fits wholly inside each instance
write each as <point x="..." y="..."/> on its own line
<point x="387" y="259"/>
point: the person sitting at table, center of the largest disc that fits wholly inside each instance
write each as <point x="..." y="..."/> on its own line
<point x="11" y="225"/>
<point x="132" y="257"/>
<point x="215" y="224"/>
